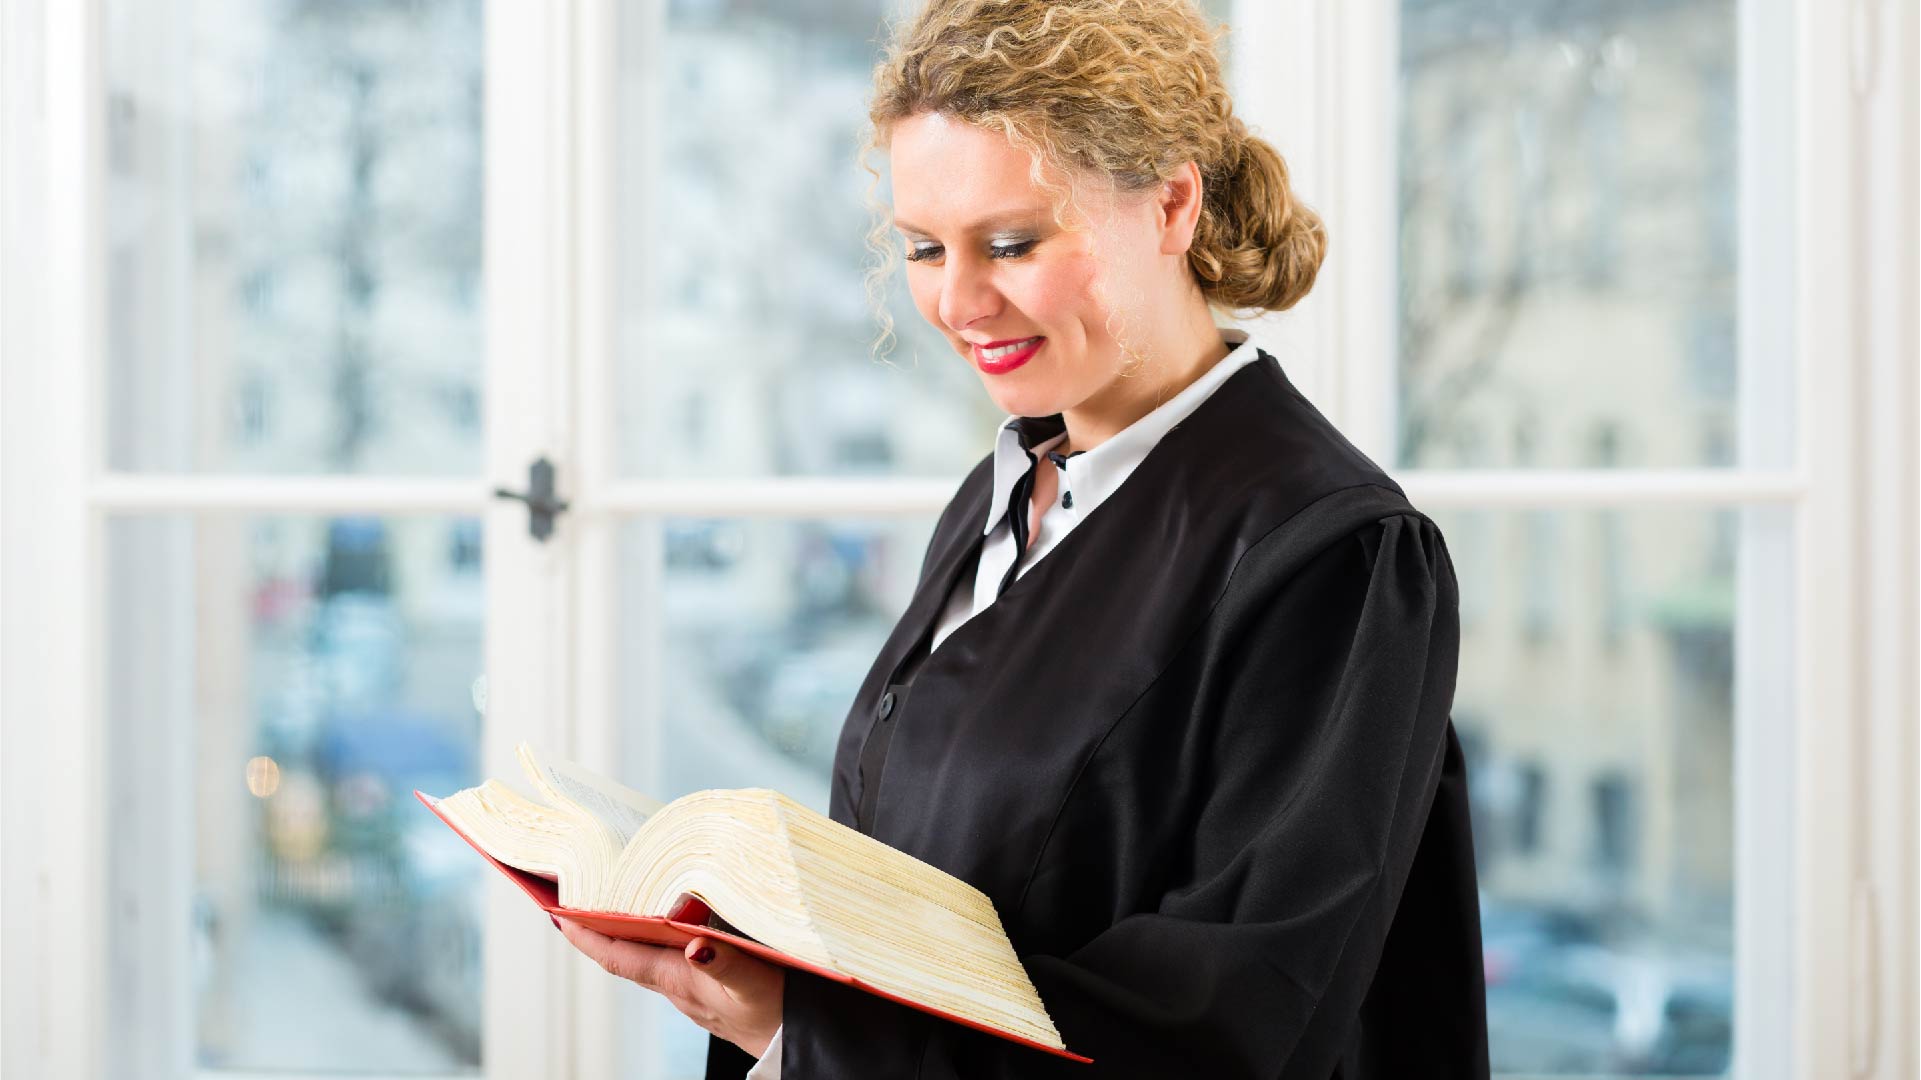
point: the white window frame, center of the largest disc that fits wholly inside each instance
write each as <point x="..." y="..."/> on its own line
<point x="1825" y="751"/>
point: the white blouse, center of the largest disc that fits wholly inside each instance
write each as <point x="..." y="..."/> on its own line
<point x="1085" y="481"/>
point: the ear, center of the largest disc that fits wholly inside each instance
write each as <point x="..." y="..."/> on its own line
<point x="1178" y="209"/>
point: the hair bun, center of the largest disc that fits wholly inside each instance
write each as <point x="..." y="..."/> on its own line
<point x="1258" y="246"/>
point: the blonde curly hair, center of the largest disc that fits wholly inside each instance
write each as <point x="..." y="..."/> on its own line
<point x="1120" y="90"/>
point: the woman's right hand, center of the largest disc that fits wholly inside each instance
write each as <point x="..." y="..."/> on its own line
<point x="733" y="994"/>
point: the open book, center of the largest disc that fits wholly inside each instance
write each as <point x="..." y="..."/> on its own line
<point x="764" y="873"/>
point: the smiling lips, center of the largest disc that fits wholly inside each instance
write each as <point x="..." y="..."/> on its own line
<point x="1001" y="357"/>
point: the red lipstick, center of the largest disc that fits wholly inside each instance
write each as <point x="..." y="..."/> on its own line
<point x="1001" y="365"/>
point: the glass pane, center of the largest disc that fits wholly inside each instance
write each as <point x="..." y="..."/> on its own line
<point x="761" y="632"/>
<point x="294" y="236"/>
<point x="1595" y="708"/>
<point x="745" y="337"/>
<point x="1567" y="234"/>
<point x="744" y="346"/>
<point x="276" y="690"/>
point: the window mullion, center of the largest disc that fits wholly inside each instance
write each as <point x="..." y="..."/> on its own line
<point x="1575" y="488"/>
<point x="531" y="985"/>
<point x="64" y="790"/>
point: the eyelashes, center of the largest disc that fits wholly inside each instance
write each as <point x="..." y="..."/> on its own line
<point x="997" y="251"/>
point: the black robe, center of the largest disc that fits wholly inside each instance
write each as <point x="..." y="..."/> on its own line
<point x="1200" y="758"/>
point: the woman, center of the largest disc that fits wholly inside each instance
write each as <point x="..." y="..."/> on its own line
<point x="1173" y="687"/>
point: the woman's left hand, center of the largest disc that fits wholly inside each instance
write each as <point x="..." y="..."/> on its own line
<point x="732" y="994"/>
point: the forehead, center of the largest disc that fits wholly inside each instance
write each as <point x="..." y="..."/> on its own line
<point x="948" y="175"/>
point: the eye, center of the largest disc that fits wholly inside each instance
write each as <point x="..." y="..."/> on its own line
<point x="998" y="251"/>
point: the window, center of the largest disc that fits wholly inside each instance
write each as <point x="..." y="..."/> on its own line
<point x="1588" y="303"/>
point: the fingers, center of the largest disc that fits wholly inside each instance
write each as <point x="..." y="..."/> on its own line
<point x="724" y="989"/>
<point x="657" y="967"/>
<point x="701" y="977"/>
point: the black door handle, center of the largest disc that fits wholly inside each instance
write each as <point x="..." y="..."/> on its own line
<point x="543" y="504"/>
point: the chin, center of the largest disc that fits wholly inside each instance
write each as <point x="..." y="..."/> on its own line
<point x="1019" y="404"/>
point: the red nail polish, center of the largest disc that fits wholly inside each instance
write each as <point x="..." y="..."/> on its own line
<point x="556" y="921"/>
<point x="703" y="955"/>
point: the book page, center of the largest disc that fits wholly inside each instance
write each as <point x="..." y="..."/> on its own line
<point x="622" y="809"/>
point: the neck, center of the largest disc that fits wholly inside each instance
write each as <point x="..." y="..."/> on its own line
<point x="1128" y="398"/>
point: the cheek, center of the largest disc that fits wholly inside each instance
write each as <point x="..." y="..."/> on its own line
<point x="1057" y="292"/>
<point x="1053" y="294"/>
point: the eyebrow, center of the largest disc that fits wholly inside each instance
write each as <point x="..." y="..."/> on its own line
<point x="1004" y="217"/>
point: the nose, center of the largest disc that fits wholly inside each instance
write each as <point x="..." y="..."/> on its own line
<point x="967" y="293"/>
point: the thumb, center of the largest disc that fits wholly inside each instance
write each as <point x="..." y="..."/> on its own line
<point x="716" y="959"/>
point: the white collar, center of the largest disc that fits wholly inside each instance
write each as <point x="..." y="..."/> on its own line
<point x="1094" y="475"/>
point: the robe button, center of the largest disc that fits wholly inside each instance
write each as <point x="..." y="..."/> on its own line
<point x="886" y="704"/>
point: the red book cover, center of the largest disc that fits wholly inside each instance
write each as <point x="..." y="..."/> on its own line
<point x="689" y="921"/>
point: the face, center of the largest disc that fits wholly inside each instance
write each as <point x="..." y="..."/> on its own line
<point x="988" y="266"/>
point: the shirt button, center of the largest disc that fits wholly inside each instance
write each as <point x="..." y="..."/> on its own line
<point x="1067" y="500"/>
<point x="886" y="704"/>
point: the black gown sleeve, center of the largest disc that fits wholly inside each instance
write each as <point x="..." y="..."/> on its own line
<point x="1326" y="682"/>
